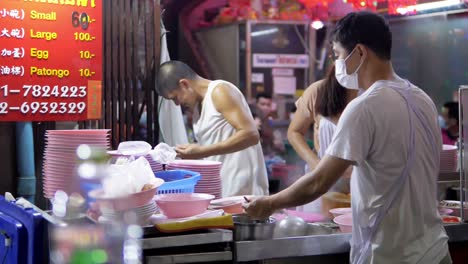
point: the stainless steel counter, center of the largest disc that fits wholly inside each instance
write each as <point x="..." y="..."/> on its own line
<point x="185" y="244"/>
<point x="292" y="247"/>
<point x="315" y="245"/>
<point x="245" y="251"/>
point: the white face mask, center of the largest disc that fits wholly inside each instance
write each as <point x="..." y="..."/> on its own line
<point x="349" y="81"/>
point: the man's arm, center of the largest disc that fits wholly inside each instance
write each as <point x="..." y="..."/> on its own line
<point x="296" y="135"/>
<point x="229" y="103"/>
<point x="308" y="188"/>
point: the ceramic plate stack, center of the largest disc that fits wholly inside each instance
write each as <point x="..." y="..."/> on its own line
<point x="448" y="159"/>
<point x="155" y="166"/>
<point x="60" y="156"/>
<point x="210" y="181"/>
<point x="141" y="213"/>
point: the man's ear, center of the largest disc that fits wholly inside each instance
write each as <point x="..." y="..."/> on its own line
<point x="361" y="50"/>
<point x="184" y="83"/>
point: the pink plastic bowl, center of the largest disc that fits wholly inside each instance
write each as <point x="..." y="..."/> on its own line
<point x="340" y="211"/>
<point x="180" y="205"/>
<point x="345" y="222"/>
<point x="445" y="211"/>
<point x="128" y="202"/>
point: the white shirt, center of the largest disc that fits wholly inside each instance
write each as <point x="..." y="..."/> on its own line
<point x="243" y="172"/>
<point x="326" y="131"/>
<point x="373" y="131"/>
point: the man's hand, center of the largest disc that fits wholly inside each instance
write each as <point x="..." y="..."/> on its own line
<point x="190" y="151"/>
<point x="306" y="189"/>
<point x="259" y="207"/>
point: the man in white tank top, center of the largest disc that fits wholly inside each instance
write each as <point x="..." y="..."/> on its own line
<point x="223" y="125"/>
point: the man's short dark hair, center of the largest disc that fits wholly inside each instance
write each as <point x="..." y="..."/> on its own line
<point x="263" y="95"/>
<point x="169" y="75"/>
<point x="452" y="109"/>
<point x="365" y="28"/>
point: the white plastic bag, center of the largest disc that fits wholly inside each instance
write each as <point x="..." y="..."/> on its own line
<point x="134" y="148"/>
<point x="163" y="153"/>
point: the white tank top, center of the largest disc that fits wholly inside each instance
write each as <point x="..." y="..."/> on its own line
<point x="243" y="172"/>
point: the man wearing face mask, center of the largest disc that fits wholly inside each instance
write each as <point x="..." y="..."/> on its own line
<point x="394" y="181"/>
<point x="223" y="127"/>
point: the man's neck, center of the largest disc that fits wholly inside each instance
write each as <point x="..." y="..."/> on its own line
<point x="377" y="71"/>
<point x="200" y="86"/>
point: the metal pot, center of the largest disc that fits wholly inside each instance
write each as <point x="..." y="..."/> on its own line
<point x="247" y="229"/>
<point x="291" y="226"/>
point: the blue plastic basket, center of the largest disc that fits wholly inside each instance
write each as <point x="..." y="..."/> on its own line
<point x="178" y="181"/>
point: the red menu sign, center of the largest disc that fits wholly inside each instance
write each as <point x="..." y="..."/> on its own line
<point x="50" y="60"/>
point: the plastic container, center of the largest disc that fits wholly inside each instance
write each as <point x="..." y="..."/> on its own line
<point x="345" y="222"/>
<point x="178" y="181"/>
<point x="180" y="205"/>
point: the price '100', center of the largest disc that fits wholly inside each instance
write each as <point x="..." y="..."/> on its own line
<point x="55" y="91"/>
<point x="83" y="36"/>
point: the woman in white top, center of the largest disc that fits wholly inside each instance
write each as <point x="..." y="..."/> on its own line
<point x="332" y="98"/>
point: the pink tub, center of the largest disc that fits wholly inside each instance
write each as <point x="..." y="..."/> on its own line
<point x="180" y="205"/>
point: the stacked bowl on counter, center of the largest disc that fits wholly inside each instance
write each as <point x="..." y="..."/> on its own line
<point x="140" y="205"/>
<point x="58" y="168"/>
<point x="448" y="159"/>
<point x="210" y="182"/>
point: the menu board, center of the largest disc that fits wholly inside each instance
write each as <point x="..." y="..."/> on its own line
<point x="50" y="60"/>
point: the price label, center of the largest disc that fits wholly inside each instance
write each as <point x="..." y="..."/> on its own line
<point x="50" y="60"/>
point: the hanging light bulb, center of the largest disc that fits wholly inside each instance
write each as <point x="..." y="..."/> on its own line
<point x="317" y="24"/>
<point x="402" y="10"/>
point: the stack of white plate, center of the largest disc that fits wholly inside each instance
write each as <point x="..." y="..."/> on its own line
<point x="60" y="156"/>
<point x="448" y="159"/>
<point x="141" y="214"/>
<point x="210" y="181"/>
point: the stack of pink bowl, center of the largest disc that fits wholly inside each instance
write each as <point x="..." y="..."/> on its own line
<point x="340" y="211"/>
<point x="141" y="204"/>
<point x="448" y="159"/>
<point x="210" y="181"/>
<point x="60" y="156"/>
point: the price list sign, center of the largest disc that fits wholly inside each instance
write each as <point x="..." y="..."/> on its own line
<point x="50" y="60"/>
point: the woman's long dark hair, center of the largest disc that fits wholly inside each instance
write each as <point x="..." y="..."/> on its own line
<point x="331" y="96"/>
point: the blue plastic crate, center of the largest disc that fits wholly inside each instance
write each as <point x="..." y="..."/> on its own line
<point x="178" y="181"/>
